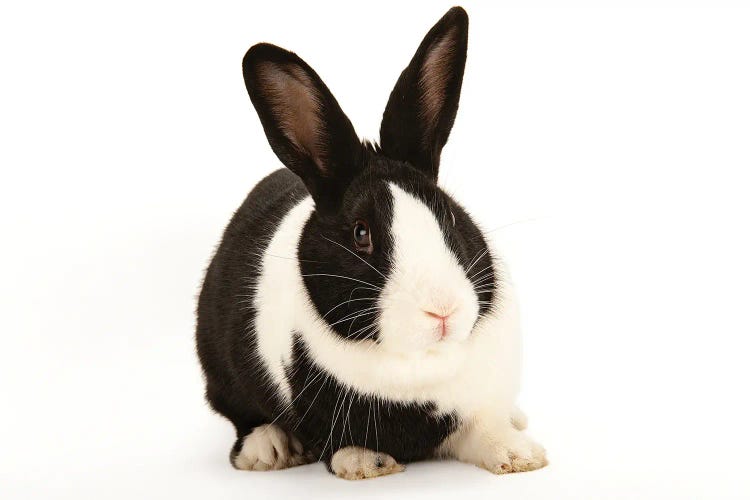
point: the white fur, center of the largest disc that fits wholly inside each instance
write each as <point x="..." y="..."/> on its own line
<point x="277" y="292"/>
<point x="353" y="462"/>
<point x="473" y="372"/>
<point x="425" y="276"/>
<point x="269" y="447"/>
<point x="495" y="446"/>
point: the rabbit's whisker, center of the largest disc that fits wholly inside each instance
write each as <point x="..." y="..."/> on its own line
<point x="357" y="314"/>
<point x="357" y="256"/>
<point x="522" y="221"/>
<point x="483" y="280"/>
<point x="291" y="403"/>
<point x="325" y="382"/>
<point x="346" y="420"/>
<point x="472" y="259"/>
<point x="374" y="287"/>
<point x="473" y="276"/>
<point x="477" y="259"/>
<point x="347" y="302"/>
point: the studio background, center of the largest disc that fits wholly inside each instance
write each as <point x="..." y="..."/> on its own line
<point x="604" y="148"/>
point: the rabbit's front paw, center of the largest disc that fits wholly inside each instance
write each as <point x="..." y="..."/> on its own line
<point x="354" y="462"/>
<point x="268" y="447"/>
<point x="515" y="452"/>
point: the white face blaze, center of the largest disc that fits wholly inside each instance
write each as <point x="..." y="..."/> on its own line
<point x="427" y="300"/>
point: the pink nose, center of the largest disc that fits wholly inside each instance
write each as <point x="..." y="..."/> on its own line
<point x="442" y="318"/>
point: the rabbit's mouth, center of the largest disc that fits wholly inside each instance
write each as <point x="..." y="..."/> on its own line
<point x="408" y="324"/>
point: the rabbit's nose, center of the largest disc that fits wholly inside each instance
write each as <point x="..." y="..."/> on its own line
<point x="440" y="305"/>
<point x="442" y="317"/>
<point x="439" y="316"/>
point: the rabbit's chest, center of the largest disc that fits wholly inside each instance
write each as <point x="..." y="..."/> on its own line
<point x="328" y="415"/>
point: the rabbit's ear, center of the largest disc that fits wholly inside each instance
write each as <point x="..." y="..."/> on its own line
<point x="302" y="120"/>
<point x="420" y="112"/>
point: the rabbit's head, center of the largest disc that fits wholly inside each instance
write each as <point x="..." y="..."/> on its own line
<point x="387" y="256"/>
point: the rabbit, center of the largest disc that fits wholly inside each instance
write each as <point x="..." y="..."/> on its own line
<point x="354" y="313"/>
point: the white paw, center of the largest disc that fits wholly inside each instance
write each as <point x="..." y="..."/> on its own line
<point x="515" y="452"/>
<point x="269" y="447"/>
<point x="354" y="462"/>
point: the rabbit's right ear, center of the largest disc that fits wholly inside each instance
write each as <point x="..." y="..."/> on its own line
<point x="420" y="112"/>
<point x="304" y="124"/>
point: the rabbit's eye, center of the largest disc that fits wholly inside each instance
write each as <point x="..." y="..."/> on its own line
<point x="362" y="240"/>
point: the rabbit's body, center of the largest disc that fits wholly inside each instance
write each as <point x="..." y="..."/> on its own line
<point x="354" y="312"/>
<point x="236" y="383"/>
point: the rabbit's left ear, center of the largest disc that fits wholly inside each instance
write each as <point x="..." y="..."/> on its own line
<point x="304" y="124"/>
<point x="422" y="107"/>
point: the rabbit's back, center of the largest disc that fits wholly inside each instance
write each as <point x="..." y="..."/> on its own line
<point x="225" y="305"/>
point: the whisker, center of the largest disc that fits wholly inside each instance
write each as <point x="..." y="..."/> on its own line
<point x="357" y="256"/>
<point x="333" y="420"/>
<point x="358" y="288"/>
<point x="356" y="314"/>
<point x="468" y="264"/>
<point x="325" y="382"/>
<point x="367" y="429"/>
<point x="261" y="255"/>
<point x="374" y="287"/>
<point x="370" y="327"/>
<point x="483" y="280"/>
<point x="481" y="271"/>
<point x="530" y="219"/>
<point x="346" y="302"/>
<point x="477" y="259"/>
<point x="346" y="420"/>
<point x="291" y="403"/>
<point x="377" y="424"/>
<point x="486" y="286"/>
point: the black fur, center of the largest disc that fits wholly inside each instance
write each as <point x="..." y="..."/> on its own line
<point x="235" y="384"/>
<point x="325" y="164"/>
<point x="407" y="432"/>
<point x="348" y="181"/>
<point x="404" y="133"/>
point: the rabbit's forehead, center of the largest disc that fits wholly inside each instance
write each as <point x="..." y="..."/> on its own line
<point x="418" y="235"/>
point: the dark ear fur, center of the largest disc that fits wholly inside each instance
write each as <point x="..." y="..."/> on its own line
<point x="422" y="107"/>
<point x="302" y="120"/>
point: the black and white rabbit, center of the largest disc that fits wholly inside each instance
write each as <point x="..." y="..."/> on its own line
<point x="353" y="312"/>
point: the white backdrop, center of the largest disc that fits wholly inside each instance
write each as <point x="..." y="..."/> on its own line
<point x="607" y="149"/>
